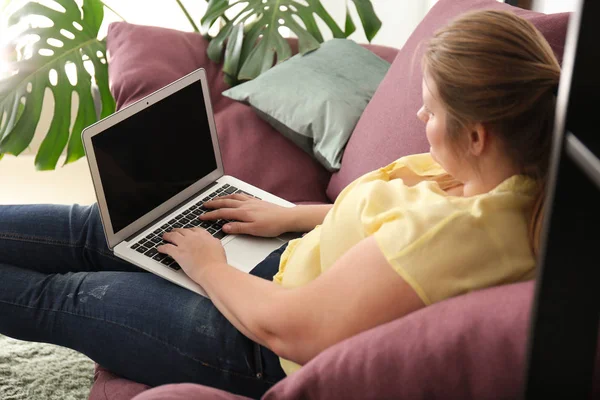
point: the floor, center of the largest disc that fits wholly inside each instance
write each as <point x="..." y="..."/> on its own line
<point x="20" y="183"/>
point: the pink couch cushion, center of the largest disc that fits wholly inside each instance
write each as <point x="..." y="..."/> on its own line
<point x="108" y="386"/>
<point x="187" y="391"/>
<point x="389" y="128"/>
<point x="468" y="347"/>
<point x="143" y="59"/>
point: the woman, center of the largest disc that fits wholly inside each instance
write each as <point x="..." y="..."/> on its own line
<point x="422" y="229"/>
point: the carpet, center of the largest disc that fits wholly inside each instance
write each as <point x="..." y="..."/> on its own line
<point x="35" y="371"/>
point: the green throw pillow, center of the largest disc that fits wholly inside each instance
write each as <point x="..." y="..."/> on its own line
<point x="316" y="100"/>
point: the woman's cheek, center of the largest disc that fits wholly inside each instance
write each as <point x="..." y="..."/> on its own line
<point x="428" y="133"/>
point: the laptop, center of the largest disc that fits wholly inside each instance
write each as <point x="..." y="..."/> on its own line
<point x="153" y="165"/>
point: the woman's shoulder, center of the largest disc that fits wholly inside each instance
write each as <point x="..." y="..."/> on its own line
<point x="518" y="184"/>
<point x="421" y="164"/>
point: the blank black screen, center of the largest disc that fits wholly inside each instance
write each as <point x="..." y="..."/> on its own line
<point x="151" y="156"/>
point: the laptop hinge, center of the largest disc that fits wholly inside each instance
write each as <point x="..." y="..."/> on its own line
<point x="170" y="211"/>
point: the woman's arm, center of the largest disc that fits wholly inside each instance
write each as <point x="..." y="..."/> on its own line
<point x="261" y="218"/>
<point x="360" y="291"/>
<point x="305" y="218"/>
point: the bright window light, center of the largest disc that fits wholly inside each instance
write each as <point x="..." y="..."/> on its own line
<point x="4" y="60"/>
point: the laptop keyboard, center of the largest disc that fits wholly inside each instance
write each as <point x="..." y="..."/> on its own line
<point x="186" y="219"/>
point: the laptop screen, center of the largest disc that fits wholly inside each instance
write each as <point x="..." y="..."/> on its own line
<point x="156" y="153"/>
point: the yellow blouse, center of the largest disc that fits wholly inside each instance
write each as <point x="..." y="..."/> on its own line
<point x="441" y="245"/>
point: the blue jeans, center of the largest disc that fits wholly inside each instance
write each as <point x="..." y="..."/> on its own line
<point x="59" y="283"/>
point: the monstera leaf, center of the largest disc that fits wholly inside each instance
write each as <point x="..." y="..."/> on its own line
<point x="70" y="43"/>
<point x="253" y="37"/>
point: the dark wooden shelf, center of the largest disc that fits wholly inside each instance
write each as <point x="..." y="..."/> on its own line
<point x="563" y="337"/>
<point x="584" y="158"/>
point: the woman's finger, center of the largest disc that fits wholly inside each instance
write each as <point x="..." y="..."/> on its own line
<point x="234" y="196"/>
<point x="239" y="228"/>
<point x="201" y="231"/>
<point x="223" y="203"/>
<point x="225" y="213"/>
<point x="172" y="236"/>
<point x="167" y="249"/>
<point x="240" y="197"/>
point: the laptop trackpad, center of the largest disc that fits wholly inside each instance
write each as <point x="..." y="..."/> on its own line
<point x="245" y="252"/>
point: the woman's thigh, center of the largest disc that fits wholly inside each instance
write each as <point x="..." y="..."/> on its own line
<point x="56" y="239"/>
<point x="136" y="325"/>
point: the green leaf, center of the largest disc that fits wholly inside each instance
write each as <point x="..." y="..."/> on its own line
<point x="260" y="59"/>
<point x="58" y="135"/>
<point x="306" y="42"/>
<point x="29" y="83"/>
<point x="262" y="42"/>
<point x="93" y="14"/>
<point x="371" y="23"/>
<point x="214" y="10"/>
<point x="350" y="28"/>
<point x="215" y="47"/>
<point x="230" y="80"/>
<point x="233" y="51"/>
<point x="317" y="8"/>
<point x="85" y="117"/>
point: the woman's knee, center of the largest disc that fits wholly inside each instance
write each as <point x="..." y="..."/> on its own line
<point x="92" y="224"/>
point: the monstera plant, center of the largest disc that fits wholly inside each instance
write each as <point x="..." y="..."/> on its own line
<point x="46" y="58"/>
<point x="253" y="33"/>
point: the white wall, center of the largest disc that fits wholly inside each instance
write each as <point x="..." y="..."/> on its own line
<point x="155" y="12"/>
<point x="554" y="6"/>
<point x="399" y="18"/>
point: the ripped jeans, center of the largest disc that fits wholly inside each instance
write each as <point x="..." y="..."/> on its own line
<point x="59" y="283"/>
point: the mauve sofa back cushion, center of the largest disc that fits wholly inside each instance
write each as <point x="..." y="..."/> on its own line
<point x="389" y="128"/>
<point x="143" y="59"/>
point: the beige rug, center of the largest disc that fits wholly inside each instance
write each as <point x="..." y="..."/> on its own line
<point x="32" y="371"/>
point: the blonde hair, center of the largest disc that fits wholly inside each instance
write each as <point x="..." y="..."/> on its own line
<point x="495" y="68"/>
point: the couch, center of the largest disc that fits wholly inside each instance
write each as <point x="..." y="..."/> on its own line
<point x="471" y="346"/>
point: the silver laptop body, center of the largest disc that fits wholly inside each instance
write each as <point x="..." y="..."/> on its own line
<point x="155" y="162"/>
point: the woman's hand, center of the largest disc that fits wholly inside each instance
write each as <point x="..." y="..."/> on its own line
<point x="252" y="216"/>
<point x="194" y="250"/>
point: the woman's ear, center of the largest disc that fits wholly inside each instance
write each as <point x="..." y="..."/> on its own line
<point x="478" y="139"/>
